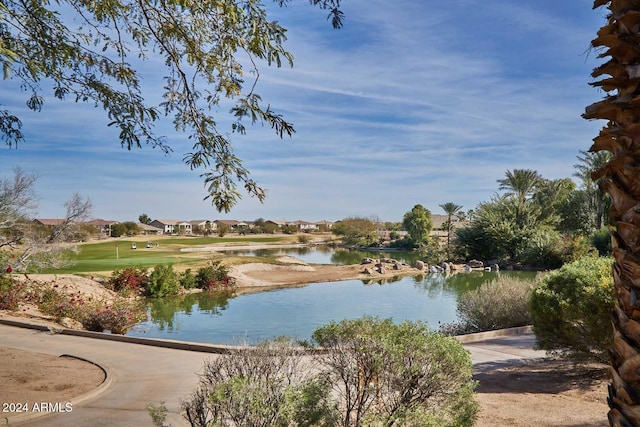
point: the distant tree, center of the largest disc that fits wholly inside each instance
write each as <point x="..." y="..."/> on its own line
<point x="25" y="246"/>
<point x="552" y="192"/>
<point x="521" y="183"/>
<point x="269" y="228"/>
<point x="450" y="209"/>
<point x="78" y="210"/>
<point x="576" y="214"/>
<point x="17" y="205"/>
<point x="144" y="219"/>
<point x="223" y="229"/>
<point x="357" y="231"/>
<point x="501" y="228"/>
<point x="393" y="226"/>
<point x="128" y="228"/>
<point x="418" y="224"/>
<point x="588" y="164"/>
<point x="289" y="229"/>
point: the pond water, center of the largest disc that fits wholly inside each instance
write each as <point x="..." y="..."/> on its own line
<point x="329" y="255"/>
<point x="296" y="312"/>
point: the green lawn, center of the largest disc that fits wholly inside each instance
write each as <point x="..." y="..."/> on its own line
<point x="106" y="256"/>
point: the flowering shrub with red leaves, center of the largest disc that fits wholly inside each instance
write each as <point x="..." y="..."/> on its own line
<point x="130" y="280"/>
<point x="53" y="301"/>
<point x="11" y="293"/>
<point x="118" y="317"/>
<point x="214" y="277"/>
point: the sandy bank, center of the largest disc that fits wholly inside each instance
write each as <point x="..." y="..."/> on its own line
<point x="296" y="273"/>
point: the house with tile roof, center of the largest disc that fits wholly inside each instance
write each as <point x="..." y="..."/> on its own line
<point x="102" y="226"/>
<point x="172" y="226"/>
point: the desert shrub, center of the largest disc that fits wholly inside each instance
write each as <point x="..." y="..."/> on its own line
<point x="303" y="239"/>
<point x="117" y="317"/>
<point x="11" y="292"/>
<point x="263" y="386"/>
<point x="498" y="304"/>
<point x="214" y="276"/>
<point x="570" y="309"/>
<point x="187" y="279"/>
<point x="158" y="414"/>
<point x="130" y="280"/>
<point x="374" y="373"/>
<point x="396" y="375"/>
<point x="162" y="282"/>
<point x="59" y="304"/>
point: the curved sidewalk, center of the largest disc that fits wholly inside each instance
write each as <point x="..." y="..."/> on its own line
<point x="143" y="374"/>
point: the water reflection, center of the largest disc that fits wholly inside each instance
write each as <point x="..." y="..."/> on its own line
<point x="163" y="313"/>
<point x="296" y="312"/>
<point x="329" y="255"/>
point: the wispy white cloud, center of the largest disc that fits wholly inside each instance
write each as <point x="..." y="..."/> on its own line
<point x="411" y="102"/>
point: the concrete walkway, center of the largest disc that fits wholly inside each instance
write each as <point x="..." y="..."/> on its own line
<point x="140" y="374"/>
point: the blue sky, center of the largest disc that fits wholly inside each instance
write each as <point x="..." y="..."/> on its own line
<point x="411" y="102"/>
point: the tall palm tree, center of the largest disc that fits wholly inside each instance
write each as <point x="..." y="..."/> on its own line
<point x="589" y="163"/>
<point x="619" y="40"/>
<point x="520" y="183"/>
<point x="450" y="209"/>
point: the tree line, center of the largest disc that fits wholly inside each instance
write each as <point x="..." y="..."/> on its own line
<point x="531" y="220"/>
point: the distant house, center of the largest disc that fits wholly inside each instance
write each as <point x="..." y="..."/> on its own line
<point x="48" y="222"/>
<point x="324" y="225"/>
<point x="232" y="223"/>
<point x="150" y="229"/>
<point x="172" y="226"/>
<point x="203" y="226"/>
<point x="102" y="226"/>
<point x="304" y="225"/>
<point x="279" y="223"/>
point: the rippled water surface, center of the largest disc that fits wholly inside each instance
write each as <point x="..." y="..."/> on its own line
<point x="296" y="312"/>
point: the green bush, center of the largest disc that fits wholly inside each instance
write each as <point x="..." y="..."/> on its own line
<point x="498" y="304"/>
<point x="264" y="386"/>
<point x="571" y="308"/>
<point x="187" y="279"/>
<point x="375" y="373"/>
<point x="397" y="375"/>
<point x="547" y="249"/>
<point x="162" y="282"/>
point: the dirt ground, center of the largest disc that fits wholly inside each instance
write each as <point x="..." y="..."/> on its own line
<point x="544" y="393"/>
<point x="36" y="377"/>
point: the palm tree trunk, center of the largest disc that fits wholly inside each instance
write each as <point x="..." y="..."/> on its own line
<point x="620" y="41"/>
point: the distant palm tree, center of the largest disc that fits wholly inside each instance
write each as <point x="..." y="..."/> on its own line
<point x="520" y="183"/>
<point x="450" y="209"/>
<point x="590" y="163"/>
<point x="619" y="40"/>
